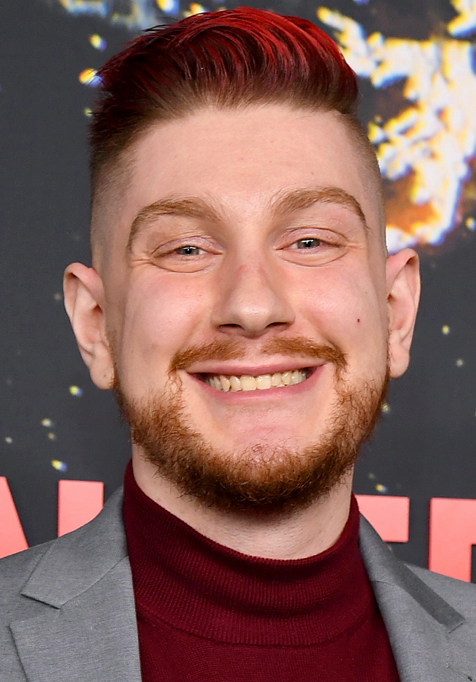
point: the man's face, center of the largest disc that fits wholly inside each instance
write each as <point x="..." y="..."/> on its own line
<point x="245" y="284"/>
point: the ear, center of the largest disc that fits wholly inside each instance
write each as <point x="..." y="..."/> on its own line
<point x="84" y="299"/>
<point x="403" y="295"/>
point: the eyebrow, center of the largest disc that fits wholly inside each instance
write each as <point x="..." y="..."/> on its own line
<point x="195" y="207"/>
<point x="188" y="207"/>
<point x="300" y="199"/>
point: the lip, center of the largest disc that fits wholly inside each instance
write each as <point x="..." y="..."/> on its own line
<point x="229" y="369"/>
<point x="237" y="397"/>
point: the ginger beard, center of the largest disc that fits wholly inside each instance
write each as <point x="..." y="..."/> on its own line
<point x="259" y="479"/>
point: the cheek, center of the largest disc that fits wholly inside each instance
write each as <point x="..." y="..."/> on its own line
<point x="161" y="316"/>
<point x="345" y="306"/>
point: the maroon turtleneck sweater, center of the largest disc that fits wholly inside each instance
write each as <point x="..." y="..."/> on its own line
<point x="207" y="613"/>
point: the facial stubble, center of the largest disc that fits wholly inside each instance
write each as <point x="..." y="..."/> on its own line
<point x="260" y="479"/>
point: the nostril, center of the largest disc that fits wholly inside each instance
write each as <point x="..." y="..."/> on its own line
<point x="278" y="325"/>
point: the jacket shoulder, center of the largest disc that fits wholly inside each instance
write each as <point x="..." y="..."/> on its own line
<point x="54" y="572"/>
<point x="461" y="595"/>
<point x="17" y="568"/>
<point x="15" y="571"/>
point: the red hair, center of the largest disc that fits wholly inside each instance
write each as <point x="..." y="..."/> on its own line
<point x="229" y="58"/>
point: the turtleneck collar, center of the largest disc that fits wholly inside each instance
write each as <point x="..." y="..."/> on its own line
<point x="200" y="587"/>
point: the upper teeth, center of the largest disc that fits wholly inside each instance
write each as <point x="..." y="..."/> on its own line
<point x="251" y="383"/>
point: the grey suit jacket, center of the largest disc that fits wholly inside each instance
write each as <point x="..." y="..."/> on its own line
<point x="68" y="611"/>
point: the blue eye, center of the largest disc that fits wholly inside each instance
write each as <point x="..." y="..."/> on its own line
<point x="308" y="243"/>
<point x="188" y="251"/>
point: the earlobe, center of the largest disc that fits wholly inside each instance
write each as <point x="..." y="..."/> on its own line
<point x="84" y="301"/>
<point x="403" y="294"/>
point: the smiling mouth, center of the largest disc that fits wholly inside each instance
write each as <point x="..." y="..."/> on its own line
<point x="260" y="382"/>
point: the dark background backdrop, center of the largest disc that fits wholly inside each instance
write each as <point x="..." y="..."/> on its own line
<point x="50" y="413"/>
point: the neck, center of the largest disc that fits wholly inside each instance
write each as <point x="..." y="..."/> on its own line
<point x="297" y="535"/>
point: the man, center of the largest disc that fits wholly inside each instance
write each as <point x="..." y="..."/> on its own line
<point x="243" y="308"/>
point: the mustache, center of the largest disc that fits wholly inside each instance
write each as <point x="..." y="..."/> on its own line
<point x="233" y="349"/>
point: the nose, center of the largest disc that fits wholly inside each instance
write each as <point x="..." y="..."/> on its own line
<point x="251" y="300"/>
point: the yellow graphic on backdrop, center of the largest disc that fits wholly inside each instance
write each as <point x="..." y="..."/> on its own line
<point x="427" y="148"/>
<point x="425" y="151"/>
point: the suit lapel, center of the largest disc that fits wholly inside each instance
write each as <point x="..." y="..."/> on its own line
<point x="420" y="644"/>
<point x="423" y="629"/>
<point x="88" y="630"/>
<point x="92" y="637"/>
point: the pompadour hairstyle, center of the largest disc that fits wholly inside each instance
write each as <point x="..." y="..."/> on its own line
<point x="229" y="59"/>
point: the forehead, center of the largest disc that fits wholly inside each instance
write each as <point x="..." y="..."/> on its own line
<point x="240" y="160"/>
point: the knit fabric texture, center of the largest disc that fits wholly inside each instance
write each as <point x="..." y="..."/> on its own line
<point x="211" y="614"/>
